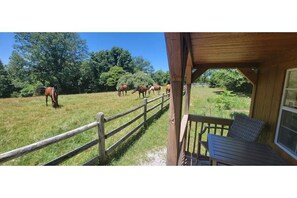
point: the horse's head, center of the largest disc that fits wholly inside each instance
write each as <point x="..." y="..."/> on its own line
<point x="136" y="89"/>
<point x="55" y="97"/>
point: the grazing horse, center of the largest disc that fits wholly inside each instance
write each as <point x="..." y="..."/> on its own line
<point x="141" y="89"/>
<point x="49" y="92"/>
<point x="155" y="88"/>
<point x="168" y="87"/>
<point x="122" y="89"/>
<point x="52" y="92"/>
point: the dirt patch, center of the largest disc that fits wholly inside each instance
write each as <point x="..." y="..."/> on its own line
<point x="157" y="158"/>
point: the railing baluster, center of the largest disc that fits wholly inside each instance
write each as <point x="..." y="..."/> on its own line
<point x="189" y="136"/>
<point x="195" y="136"/>
<point x="208" y="131"/>
<point x="199" y="140"/>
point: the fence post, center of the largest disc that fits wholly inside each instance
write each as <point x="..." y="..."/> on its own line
<point x="101" y="135"/>
<point x="162" y="104"/>
<point x="144" y="112"/>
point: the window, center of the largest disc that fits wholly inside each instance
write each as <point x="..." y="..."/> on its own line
<point x="286" y="136"/>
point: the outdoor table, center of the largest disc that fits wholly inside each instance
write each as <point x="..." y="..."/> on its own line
<point x="232" y="151"/>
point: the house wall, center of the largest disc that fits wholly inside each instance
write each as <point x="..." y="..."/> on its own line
<point x="271" y="78"/>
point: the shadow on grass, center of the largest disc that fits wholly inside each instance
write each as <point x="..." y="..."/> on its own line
<point x="122" y="149"/>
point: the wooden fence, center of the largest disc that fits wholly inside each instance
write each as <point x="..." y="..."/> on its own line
<point x="102" y="135"/>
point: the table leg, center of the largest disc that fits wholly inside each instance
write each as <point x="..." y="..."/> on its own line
<point x="213" y="162"/>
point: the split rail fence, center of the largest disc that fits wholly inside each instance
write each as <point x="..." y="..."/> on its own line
<point x="102" y="134"/>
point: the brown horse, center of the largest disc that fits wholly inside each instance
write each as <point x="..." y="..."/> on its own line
<point x="155" y="88"/>
<point x="122" y="90"/>
<point x="51" y="92"/>
<point x="141" y="89"/>
<point x="168" y="87"/>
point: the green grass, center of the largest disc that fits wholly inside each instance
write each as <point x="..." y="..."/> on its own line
<point x="24" y="121"/>
<point x="27" y="120"/>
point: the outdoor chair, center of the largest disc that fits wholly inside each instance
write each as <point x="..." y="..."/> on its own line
<point x="243" y="128"/>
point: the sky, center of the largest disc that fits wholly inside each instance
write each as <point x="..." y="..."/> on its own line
<point x="151" y="46"/>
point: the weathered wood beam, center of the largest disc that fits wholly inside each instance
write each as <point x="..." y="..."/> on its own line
<point x="177" y="58"/>
<point x="250" y="74"/>
<point x="198" y="73"/>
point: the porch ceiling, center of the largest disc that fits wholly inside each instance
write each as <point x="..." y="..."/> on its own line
<point x="213" y="49"/>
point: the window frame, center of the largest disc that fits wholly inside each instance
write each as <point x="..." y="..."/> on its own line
<point x="281" y="109"/>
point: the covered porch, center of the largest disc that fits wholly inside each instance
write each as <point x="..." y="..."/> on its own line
<point x="265" y="59"/>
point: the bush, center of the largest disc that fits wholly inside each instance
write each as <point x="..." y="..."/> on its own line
<point x="224" y="101"/>
<point x="28" y="90"/>
<point x="230" y="79"/>
<point x="134" y="80"/>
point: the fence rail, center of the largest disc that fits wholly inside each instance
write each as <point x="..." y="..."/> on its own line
<point x="99" y="123"/>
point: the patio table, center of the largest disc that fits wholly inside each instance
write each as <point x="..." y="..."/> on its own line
<point x="232" y="151"/>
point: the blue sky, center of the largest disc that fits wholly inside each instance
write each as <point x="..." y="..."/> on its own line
<point x="151" y="46"/>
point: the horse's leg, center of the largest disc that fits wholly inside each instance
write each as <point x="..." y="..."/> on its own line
<point x="56" y="96"/>
<point x="52" y="100"/>
<point x="46" y="100"/>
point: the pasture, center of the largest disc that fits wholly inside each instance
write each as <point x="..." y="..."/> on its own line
<point x="28" y="120"/>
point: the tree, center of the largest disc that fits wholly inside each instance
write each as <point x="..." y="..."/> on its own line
<point x="87" y="81"/>
<point x="230" y="79"/>
<point x="141" y="78"/>
<point x="126" y="79"/>
<point x="6" y="87"/>
<point x="134" y="80"/>
<point x="121" y="58"/>
<point x="54" y="58"/>
<point x="140" y="64"/>
<point x="109" y="79"/>
<point x="161" y="77"/>
<point x="18" y="71"/>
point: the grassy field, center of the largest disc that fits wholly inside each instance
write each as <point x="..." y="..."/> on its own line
<point x="26" y="120"/>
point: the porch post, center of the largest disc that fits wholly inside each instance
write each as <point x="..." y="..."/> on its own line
<point x="252" y="75"/>
<point x="175" y="53"/>
<point x="188" y="79"/>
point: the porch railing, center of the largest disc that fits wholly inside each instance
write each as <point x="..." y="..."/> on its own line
<point x="194" y="129"/>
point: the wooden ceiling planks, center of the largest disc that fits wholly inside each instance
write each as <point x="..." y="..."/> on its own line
<point x="239" y="47"/>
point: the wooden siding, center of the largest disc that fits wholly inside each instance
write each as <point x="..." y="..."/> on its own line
<point x="269" y="93"/>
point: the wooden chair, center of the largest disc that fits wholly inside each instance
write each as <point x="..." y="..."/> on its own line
<point x="243" y="128"/>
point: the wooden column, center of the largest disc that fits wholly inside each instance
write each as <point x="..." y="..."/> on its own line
<point x="176" y="59"/>
<point x="252" y="76"/>
<point x="189" y="67"/>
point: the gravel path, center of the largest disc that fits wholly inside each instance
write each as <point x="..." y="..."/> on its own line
<point x="157" y="158"/>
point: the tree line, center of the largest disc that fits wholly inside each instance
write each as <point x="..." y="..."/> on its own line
<point x="229" y="79"/>
<point x="62" y="59"/>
